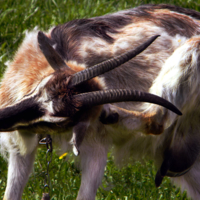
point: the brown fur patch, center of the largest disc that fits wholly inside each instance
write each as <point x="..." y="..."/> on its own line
<point x="151" y="125"/>
<point x="25" y="72"/>
<point x="64" y="103"/>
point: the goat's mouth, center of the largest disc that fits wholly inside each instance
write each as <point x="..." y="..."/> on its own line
<point x="43" y="127"/>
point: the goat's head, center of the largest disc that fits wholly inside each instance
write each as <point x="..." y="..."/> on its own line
<point x="68" y="97"/>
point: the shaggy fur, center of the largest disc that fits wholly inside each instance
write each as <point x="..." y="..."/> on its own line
<point x="168" y="68"/>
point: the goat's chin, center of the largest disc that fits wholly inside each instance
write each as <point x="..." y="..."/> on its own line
<point x="49" y="127"/>
<point x="42" y="127"/>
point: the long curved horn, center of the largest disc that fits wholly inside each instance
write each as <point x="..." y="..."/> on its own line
<point x="49" y="52"/>
<point x="120" y="95"/>
<point x="108" y="65"/>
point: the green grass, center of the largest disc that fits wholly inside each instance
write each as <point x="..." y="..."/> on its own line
<point x="131" y="182"/>
<point x="127" y="183"/>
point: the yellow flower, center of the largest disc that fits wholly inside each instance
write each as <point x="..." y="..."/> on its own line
<point x="63" y="155"/>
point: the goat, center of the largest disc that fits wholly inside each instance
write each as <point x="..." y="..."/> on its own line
<point x="59" y="87"/>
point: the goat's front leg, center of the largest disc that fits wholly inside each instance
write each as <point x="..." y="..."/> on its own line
<point x="93" y="161"/>
<point x="19" y="169"/>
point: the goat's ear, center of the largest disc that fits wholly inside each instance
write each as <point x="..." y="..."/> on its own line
<point x="53" y="58"/>
<point x="21" y="113"/>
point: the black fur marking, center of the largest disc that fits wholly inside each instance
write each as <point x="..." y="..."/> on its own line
<point x="50" y="53"/>
<point x="68" y="37"/>
<point x="112" y="118"/>
<point x="22" y="112"/>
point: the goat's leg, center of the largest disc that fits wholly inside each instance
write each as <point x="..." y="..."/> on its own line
<point x="93" y="162"/>
<point x="19" y="169"/>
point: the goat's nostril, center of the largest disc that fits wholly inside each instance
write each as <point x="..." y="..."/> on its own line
<point x="112" y="118"/>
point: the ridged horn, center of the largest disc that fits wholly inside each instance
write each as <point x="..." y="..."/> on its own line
<point x="50" y="53"/>
<point x="108" y="65"/>
<point x="120" y="95"/>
